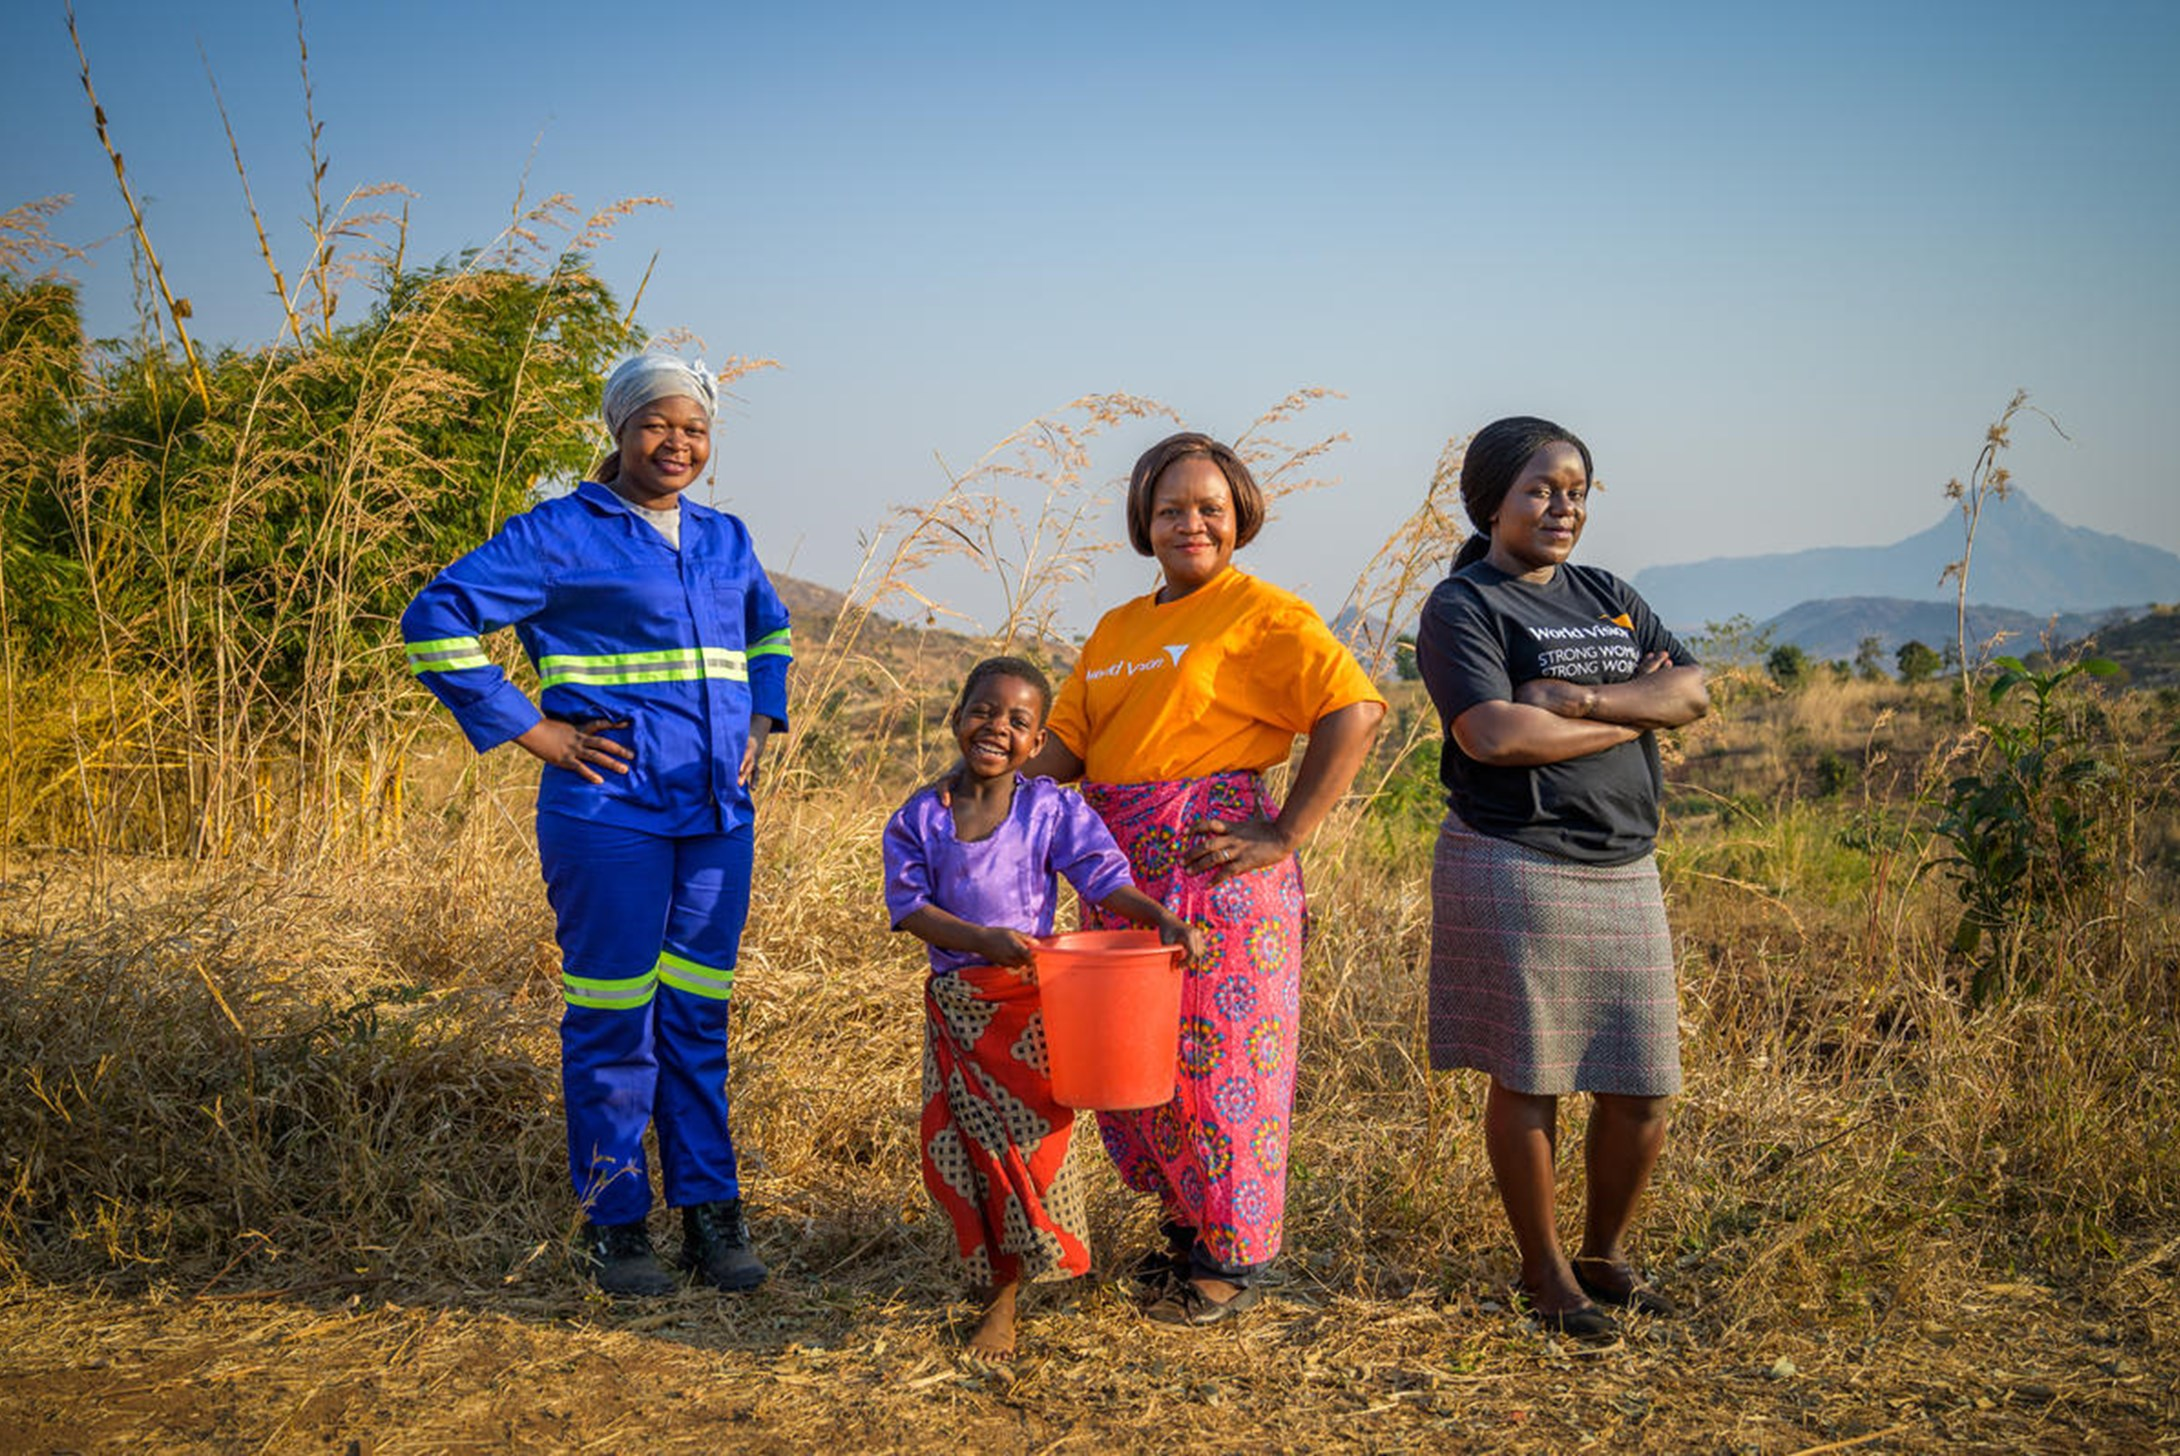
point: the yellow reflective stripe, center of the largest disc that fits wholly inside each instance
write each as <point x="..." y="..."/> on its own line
<point x="776" y="645"/>
<point x="698" y="980"/>
<point x="450" y="664"/>
<point x="679" y="664"/>
<point x="622" y="659"/>
<point x="609" y="995"/>
<point x="690" y="673"/>
<point x="446" y="654"/>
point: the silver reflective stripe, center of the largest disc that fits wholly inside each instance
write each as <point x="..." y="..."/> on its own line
<point x="609" y="995"/>
<point x="446" y="654"/>
<point x="673" y="664"/>
<point x="775" y="645"/>
<point x="698" y="980"/>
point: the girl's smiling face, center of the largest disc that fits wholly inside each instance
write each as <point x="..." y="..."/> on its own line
<point x="1000" y="725"/>
<point x="664" y="447"/>
<point x="1537" y="525"/>
<point x="1192" y="524"/>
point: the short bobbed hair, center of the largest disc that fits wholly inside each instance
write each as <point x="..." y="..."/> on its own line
<point x="1188" y="445"/>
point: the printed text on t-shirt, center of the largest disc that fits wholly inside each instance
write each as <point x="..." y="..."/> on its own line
<point x="1148" y="664"/>
<point x="1603" y="648"/>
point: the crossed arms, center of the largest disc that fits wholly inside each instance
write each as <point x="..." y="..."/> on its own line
<point x="1551" y="721"/>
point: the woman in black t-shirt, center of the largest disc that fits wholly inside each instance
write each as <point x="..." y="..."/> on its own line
<point x="1551" y="966"/>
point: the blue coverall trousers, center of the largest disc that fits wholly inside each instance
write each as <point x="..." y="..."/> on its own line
<point x="649" y="928"/>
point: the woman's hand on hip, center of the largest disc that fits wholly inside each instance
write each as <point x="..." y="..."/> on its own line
<point x="1226" y="847"/>
<point x="576" y="749"/>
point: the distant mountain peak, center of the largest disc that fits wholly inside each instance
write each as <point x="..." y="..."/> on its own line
<point x="2025" y="558"/>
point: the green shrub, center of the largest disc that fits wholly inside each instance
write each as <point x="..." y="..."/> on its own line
<point x="1917" y="663"/>
<point x="2030" y="827"/>
<point x="1788" y="665"/>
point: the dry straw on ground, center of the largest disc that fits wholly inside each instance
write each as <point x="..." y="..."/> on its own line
<point x="284" y="1164"/>
<point x="282" y="1160"/>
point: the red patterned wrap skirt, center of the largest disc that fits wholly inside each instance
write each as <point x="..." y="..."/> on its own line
<point x="994" y="1141"/>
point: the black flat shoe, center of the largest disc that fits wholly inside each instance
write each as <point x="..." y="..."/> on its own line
<point x="1589" y="1324"/>
<point x="1635" y="1296"/>
<point x="1585" y="1323"/>
<point x="1185" y="1304"/>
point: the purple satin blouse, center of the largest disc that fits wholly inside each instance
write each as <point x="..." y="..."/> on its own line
<point x="1006" y="878"/>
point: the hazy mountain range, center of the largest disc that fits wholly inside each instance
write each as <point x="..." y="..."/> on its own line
<point x="2026" y="559"/>
<point x="1834" y="627"/>
<point x="2035" y="579"/>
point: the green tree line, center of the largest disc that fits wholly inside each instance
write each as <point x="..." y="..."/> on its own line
<point x="204" y="576"/>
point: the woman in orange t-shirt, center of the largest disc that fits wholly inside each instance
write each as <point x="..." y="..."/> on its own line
<point x="1180" y="700"/>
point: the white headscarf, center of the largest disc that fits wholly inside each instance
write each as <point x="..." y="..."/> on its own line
<point x="638" y="381"/>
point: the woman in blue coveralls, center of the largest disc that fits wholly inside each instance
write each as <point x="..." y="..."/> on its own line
<point x="662" y="652"/>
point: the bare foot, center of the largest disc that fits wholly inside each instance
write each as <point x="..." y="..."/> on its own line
<point x="993" y="1338"/>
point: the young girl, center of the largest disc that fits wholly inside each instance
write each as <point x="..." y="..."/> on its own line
<point x="661" y="651"/>
<point x="975" y="880"/>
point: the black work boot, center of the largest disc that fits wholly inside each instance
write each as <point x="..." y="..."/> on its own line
<point x="715" y="1244"/>
<point x="619" y="1257"/>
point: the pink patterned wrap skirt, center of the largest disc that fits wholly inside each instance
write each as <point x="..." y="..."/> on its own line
<point x="1216" y="1155"/>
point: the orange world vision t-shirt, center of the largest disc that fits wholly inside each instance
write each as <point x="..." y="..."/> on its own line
<point x="1224" y="678"/>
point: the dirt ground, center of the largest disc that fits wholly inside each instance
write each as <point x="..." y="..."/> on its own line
<point x="803" y="1366"/>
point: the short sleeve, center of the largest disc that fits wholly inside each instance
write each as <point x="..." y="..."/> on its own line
<point x="908" y="869"/>
<point x="1300" y="672"/>
<point x="1651" y="635"/>
<point x="1084" y="851"/>
<point x="1460" y="652"/>
<point x="1069" y="720"/>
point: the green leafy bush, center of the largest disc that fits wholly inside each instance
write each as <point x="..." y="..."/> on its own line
<point x="2030" y="826"/>
<point x="1917" y="663"/>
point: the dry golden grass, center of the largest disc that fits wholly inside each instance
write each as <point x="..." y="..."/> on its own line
<point x="284" y="1155"/>
<point x="284" y="1167"/>
<point x="282" y="1163"/>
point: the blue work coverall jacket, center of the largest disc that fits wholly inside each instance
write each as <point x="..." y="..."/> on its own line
<point x="681" y="646"/>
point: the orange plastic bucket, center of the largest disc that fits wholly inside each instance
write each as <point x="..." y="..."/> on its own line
<point x="1112" y="1001"/>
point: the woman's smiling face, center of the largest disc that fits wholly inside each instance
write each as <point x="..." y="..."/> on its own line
<point x="1192" y="524"/>
<point x="1537" y="525"/>
<point x="664" y="447"/>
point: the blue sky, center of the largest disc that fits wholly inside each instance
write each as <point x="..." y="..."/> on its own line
<point x="1779" y="269"/>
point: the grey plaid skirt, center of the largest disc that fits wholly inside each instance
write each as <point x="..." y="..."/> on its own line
<point x="1551" y="975"/>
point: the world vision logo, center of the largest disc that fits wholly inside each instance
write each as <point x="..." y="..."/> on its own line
<point x="1174" y="651"/>
<point x="1622" y="620"/>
